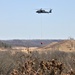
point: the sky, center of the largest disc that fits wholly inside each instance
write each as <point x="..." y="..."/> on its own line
<point x="19" y="20"/>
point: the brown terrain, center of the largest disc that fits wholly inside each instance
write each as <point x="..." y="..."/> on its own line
<point x="66" y="46"/>
<point x="56" y="58"/>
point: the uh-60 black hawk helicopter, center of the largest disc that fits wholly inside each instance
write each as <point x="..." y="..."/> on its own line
<point x="43" y="11"/>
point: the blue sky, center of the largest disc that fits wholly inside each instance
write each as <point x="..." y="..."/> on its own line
<point x="19" y="20"/>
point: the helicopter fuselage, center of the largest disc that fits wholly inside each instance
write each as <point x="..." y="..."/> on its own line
<point x="43" y="11"/>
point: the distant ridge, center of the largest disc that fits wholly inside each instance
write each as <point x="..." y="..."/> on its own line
<point x="30" y="43"/>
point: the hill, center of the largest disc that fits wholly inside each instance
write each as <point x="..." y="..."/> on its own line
<point x="65" y="45"/>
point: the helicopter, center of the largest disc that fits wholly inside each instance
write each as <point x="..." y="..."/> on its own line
<point x="43" y="11"/>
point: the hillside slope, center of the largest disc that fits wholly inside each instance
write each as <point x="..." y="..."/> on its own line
<point x="66" y="45"/>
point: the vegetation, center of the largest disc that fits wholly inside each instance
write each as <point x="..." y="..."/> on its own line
<point x="35" y="63"/>
<point x="4" y="45"/>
